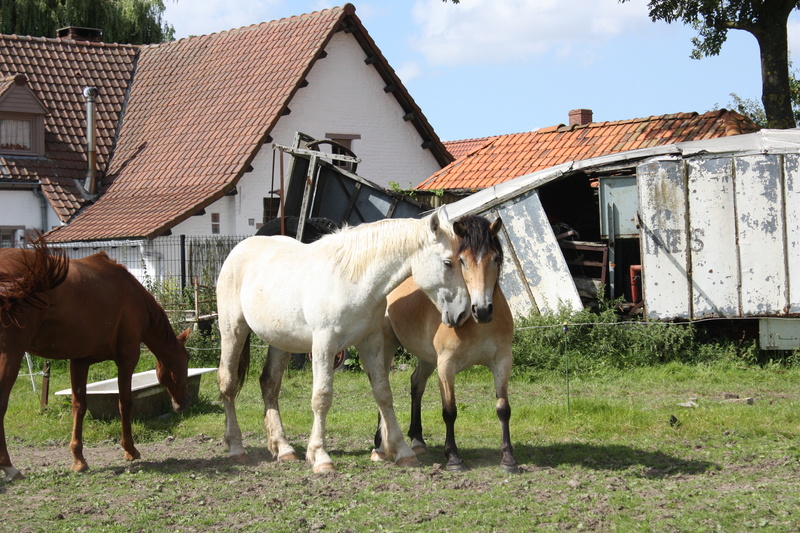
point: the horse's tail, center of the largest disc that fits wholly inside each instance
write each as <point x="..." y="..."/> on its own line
<point x="244" y="364"/>
<point x="27" y="274"/>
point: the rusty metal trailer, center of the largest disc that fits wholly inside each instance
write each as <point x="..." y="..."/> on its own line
<point x="717" y="224"/>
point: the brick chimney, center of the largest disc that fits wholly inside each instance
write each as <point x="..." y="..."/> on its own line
<point x="76" y="33"/>
<point x="580" y="117"/>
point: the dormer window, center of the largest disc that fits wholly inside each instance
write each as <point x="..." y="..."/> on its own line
<point x="21" y="118"/>
<point x="16" y="135"/>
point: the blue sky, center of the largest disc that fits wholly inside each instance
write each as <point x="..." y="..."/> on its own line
<point x="488" y="67"/>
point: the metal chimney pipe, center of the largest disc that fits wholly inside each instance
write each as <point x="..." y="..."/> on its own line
<point x="91" y="150"/>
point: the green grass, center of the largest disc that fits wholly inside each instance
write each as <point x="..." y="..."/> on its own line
<point x="605" y="458"/>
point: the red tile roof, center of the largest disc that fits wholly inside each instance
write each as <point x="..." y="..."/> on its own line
<point x="462" y="147"/>
<point x="505" y="157"/>
<point x="196" y="112"/>
<point x="57" y="72"/>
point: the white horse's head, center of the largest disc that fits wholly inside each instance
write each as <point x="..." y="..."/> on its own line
<point x="436" y="271"/>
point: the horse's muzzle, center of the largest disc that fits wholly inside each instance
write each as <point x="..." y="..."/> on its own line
<point x="186" y="401"/>
<point x="482" y="314"/>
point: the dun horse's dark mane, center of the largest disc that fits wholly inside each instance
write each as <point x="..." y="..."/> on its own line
<point x="478" y="239"/>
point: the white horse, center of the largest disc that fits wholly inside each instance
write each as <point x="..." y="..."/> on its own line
<point x="322" y="298"/>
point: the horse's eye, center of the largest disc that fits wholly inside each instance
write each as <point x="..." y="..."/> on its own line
<point x="463" y="263"/>
<point x="448" y="263"/>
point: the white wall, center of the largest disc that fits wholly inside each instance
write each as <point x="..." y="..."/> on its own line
<point x="24" y="208"/>
<point x="344" y="96"/>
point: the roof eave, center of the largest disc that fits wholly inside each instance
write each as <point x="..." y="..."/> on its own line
<point x="431" y="140"/>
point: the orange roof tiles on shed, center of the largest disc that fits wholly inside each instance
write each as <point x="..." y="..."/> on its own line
<point x="506" y="157"/>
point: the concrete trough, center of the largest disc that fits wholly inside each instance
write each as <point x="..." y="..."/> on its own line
<point x="150" y="398"/>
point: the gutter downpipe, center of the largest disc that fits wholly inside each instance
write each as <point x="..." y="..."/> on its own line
<point x="39" y="193"/>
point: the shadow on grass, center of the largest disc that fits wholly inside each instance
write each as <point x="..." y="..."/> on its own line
<point x="613" y="457"/>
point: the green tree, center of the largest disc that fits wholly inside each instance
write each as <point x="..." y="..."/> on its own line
<point x="122" y="21"/>
<point x="766" y="20"/>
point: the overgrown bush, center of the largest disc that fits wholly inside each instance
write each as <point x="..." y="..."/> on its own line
<point x="590" y="340"/>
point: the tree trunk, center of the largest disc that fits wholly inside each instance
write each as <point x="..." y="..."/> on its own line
<point x="772" y="36"/>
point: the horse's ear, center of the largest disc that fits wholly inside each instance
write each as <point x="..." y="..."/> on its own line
<point x="494" y="228"/>
<point x="460" y="229"/>
<point x="435" y="222"/>
<point x="184" y="336"/>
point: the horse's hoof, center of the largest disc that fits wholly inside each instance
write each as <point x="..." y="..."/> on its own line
<point x="455" y="467"/>
<point x="511" y="469"/>
<point x="132" y="456"/>
<point x="11" y="474"/>
<point x="377" y="456"/>
<point x="288" y="457"/>
<point x="408" y="462"/>
<point x="420" y="448"/>
<point x="79" y="467"/>
<point x="324" y="468"/>
<point x="239" y="458"/>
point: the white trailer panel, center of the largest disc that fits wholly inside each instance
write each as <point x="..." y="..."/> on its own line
<point x="665" y="250"/>
<point x="712" y="212"/>
<point x="760" y="224"/>
<point x="791" y="166"/>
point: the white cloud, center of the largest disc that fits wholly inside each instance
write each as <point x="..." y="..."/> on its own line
<point x="408" y="71"/>
<point x="491" y="31"/>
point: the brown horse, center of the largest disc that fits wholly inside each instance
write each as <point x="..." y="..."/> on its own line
<point x="85" y="310"/>
<point x="484" y="339"/>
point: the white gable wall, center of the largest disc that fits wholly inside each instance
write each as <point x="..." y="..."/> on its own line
<point x="344" y="96"/>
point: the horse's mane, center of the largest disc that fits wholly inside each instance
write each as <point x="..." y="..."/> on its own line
<point x="388" y="237"/>
<point x="477" y="238"/>
<point x="27" y="273"/>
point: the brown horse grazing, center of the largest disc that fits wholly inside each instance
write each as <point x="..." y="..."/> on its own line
<point x="85" y="310"/>
<point x="484" y="339"/>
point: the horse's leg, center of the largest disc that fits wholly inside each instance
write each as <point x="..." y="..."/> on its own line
<point x="9" y="368"/>
<point x="447" y="376"/>
<point x="271" y="376"/>
<point x="124" y="376"/>
<point x="501" y="372"/>
<point x="234" y="335"/>
<point x="376" y="365"/>
<point x="390" y="346"/>
<point x="322" y="354"/>
<point x="78" y="372"/>
<point x="419" y="379"/>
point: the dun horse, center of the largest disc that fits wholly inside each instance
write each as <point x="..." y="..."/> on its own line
<point x="323" y="297"/>
<point x="85" y="310"/>
<point x="484" y="339"/>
